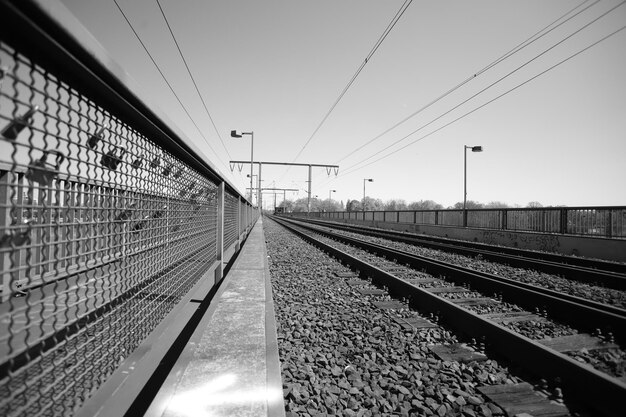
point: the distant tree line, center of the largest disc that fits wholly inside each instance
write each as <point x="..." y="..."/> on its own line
<point x="317" y="205"/>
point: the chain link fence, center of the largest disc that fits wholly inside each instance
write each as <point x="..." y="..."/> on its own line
<point x="103" y="231"/>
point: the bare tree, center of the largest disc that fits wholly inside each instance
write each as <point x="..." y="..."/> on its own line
<point x="425" y="205"/>
<point x="395" y="205"/>
<point x="496" y="204"/>
<point x="470" y="204"/>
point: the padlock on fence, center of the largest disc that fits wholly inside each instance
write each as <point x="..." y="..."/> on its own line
<point x="18" y="124"/>
<point x="94" y="139"/>
<point x="17" y="237"/>
<point x="167" y="170"/>
<point x="126" y="214"/>
<point x="111" y="160"/>
<point x="137" y="162"/>
<point x="185" y="191"/>
<point x="43" y="172"/>
<point x="155" y="162"/>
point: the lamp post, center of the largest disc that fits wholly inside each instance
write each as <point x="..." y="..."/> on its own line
<point x="238" y="134"/>
<point x="251" y="181"/>
<point x="474" y="149"/>
<point x="329" y="200"/>
<point x="364" y="181"/>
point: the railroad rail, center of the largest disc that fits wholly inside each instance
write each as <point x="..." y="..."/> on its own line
<point x="602" y="390"/>
<point x="595" y="271"/>
<point x="113" y="226"/>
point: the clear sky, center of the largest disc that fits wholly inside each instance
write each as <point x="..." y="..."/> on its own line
<point x="277" y="66"/>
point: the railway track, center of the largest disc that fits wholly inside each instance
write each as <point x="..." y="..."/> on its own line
<point x="594" y="271"/>
<point x="477" y="316"/>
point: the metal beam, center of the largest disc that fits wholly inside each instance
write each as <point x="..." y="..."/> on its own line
<point x="260" y="163"/>
<point x="286" y="163"/>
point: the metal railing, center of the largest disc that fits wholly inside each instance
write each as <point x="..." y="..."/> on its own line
<point x="608" y="222"/>
<point x="108" y="218"/>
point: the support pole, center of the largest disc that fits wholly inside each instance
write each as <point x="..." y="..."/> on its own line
<point x="308" y="203"/>
<point x="260" y="202"/>
<point x="251" y="162"/>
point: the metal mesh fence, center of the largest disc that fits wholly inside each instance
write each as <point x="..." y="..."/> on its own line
<point x="609" y="222"/>
<point x="102" y="232"/>
<point x="230" y="219"/>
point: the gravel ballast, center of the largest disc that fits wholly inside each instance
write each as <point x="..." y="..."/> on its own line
<point x="600" y="294"/>
<point x="340" y="355"/>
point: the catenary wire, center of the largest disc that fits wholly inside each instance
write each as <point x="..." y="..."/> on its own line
<point x="488" y="87"/>
<point x="538" y="35"/>
<point x="168" y="84"/>
<point x="380" y="40"/>
<point x="192" y="78"/>
<point x="486" y="103"/>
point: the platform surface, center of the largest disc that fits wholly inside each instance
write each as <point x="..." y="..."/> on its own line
<point x="230" y="365"/>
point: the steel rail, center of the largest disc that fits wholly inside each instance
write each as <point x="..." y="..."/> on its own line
<point x="584" y="314"/>
<point x="607" y="274"/>
<point x="590" y="386"/>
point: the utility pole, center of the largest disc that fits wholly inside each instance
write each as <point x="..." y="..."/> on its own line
<point x="335" y="169"/>
<point x="284" y="190"/>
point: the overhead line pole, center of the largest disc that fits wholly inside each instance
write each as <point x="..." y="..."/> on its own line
<point x="284" y="190"/>
<point x="260" y="163"/>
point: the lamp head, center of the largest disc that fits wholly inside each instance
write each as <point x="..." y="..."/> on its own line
<point x="236" y="134"/>
<point x="477" y="148"/>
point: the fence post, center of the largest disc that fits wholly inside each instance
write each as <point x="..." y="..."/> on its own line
<point x="465" y="218"/>
<point x="504" y="213"/>
<point x="5" y="221"/>
<point x="436" y="217"/>
<point x="219" y="246"/>
<point x="563" y="221"/>
<point x="608" y="230"/>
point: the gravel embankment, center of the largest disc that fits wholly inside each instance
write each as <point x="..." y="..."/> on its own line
<point x="342" y="356"/>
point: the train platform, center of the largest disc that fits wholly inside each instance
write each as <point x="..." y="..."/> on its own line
<point x="230" y="365"/>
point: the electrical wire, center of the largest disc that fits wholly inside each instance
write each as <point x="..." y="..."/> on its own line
<point x="488" y="102"/>
<point x="168" y="84"/>
<point x="379" y="42"/>
<point x="538" y="35"/>
<point x="489" y="86"/>
<point x="192" y="78"/>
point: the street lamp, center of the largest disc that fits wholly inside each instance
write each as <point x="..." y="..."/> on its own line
<point x="238" y="134"/>
<point x="364" y="181"/>
<point x="251" y="181"/>
<point x="329" y="199"/>
<point x="474" y="149"/>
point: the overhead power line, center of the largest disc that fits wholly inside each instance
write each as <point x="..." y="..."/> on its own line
<point x="538" y="35"/>
<point x="489" y="86"/>
<point x="379" y="42"/>
<point x="192" y="78"/>
<point x="486" y="103"/>
<point x="168" y="84"/>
